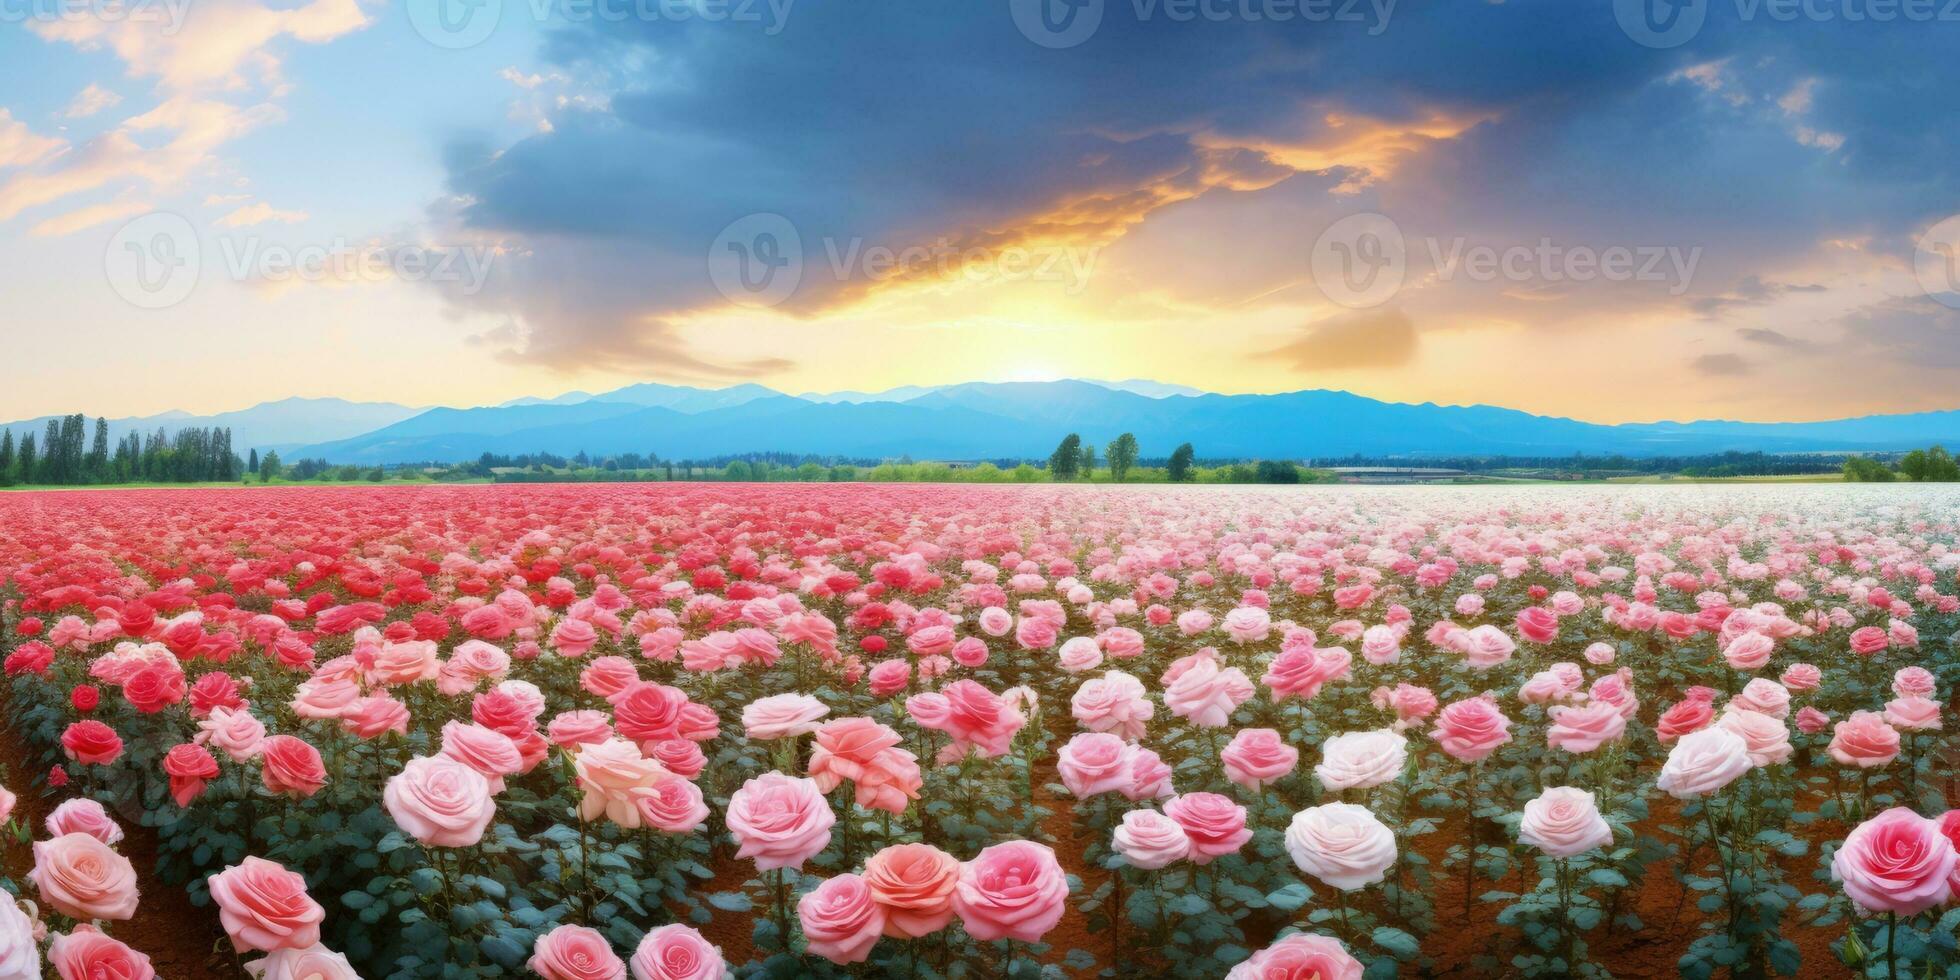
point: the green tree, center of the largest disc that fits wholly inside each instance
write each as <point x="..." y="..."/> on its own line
<point x="1179" y="469"/>
<point x="1066" y="459"/>
<point x="252" y="462"/>
<point x="1088" y="461"/>
<point x="1276" y="471"/>
<point x="24" y="464"/>
<point x="98" y="454"/>
<point x="270" y="467"/>
<point x="1122" y="455"/>
<point x="1864" y="469"/>
<point x="7" y="457"/>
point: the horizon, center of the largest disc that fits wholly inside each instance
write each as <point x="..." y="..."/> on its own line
<point x="1114" y="384"/>
<point x="1556" y="210"/>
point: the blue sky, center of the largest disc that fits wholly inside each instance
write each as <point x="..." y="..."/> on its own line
<point x="1740" y="219"/>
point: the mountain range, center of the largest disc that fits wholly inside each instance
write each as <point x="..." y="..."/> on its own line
<point x="985" y="420"/>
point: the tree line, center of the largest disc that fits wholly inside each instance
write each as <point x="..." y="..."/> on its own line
<point x="1933" y="465"/>
<point x="66" y="454"/>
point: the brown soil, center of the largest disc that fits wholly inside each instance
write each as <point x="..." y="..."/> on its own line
<point x="181" y="940"/>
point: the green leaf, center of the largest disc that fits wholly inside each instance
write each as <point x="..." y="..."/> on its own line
<point x="1397" y="943"/>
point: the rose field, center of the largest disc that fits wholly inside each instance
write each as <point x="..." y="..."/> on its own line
<point x="690" y="731"/>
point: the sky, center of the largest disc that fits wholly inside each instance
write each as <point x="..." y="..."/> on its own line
<point x="1615" y="211"/>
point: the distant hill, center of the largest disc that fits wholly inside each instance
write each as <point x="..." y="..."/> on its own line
<point x="281" y="425"/>
<point x="1027" y="419"/>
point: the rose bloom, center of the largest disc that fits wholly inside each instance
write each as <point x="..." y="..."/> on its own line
<point x="1198" y="689"/>
<point x="1764" y="696"/>
<point x="607" y="676"/>
<point x="1149" y="840"/>
<point x="291" y="767"/>
<point x="1564" y="822"/>
<point x="1536" y="624"/>
<point x="1810" y="721"/>
<point x="1911" y="681"/>
<point x="91" y="743"/>
<point x="840" y="920"/>
<point x="439" y="802"/>
<point x="1599" y="654"/>
<point x="1150" y="777"/>
<point x="572" y="729"/>
<point x="84" y="816"/>
<point x="1342" y="844"/>
<point x="88" y="954"/>
<point x="1092" y="763"/>
<point x="1684" y="717"/>
<point x="1864" y="740"/>
<point x="1248" y="624"/>
<point x="1749" y="651"/>
<point x="7" y="803"/>
<point x="20" y="955"/>
<point x="866" y="752"/>
<point x="491" y="753"/>
<point x="676" y="952"/>
<point x="575" y="952"/>
<point x="1258" y="757"/>
<point x="235" y="732"/>
<point x="1409" y="702"/>
<point x="672" y="805"/>
<point x="1767" y="739"/>
<point x="1913" y="713"/>
<point x="312" y="963"/>
<point x="613" y="775"/>
<point x="1361" y="760"/>
<point x="1471" y="729"/>
<point x="1869" y="640"/>
<point x="265" y="907"/>
<point x="782" y="716"/>
<point x="1215" y="824"/>
<point x="780" y="821"/>
<point x="977" y="719"/>
<point x="80" y="877"/>
<point x="1015" y="890"/>
<point x="1896" y="862"/>
<point x="1301" y="956"/>
<point x="1487" y="646"/>
<point x="1584" y="727"/>
<point x="680" y="756"/>
<point x="1078" y="654"/>
<point x="889" y="677"/>
<point x="1115" y="702"/>
<point x="1703" y="762"/>
<point x="1802" y="677"/>
<point x="914" y="884"/>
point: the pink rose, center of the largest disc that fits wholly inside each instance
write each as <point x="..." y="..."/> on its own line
<point x="1910" y="681"/>
<point x="1765" y="738"/>
<point x="1258" y="757"/>
<point x="1584" y="727"/>
<point x="1487" y="646"/>
<point x="265" y="907"/>
<point x="1896" y="862"/>
<point x="1301" y="956"/>
<point x="975" y="718"/>
<point x="1810" y="721"/>
<point x="1115" y="702"/>
<point x="1080" y="653"/>
<point x="1536" y="624"/>
<point x="88" y="954"/>
<point x="613" y="776"/>
<point x="1869" y="640"/>
<point x="1564" y="822"/>
<point x="1802" y="677"/>
<point x="576" y="728"/>
<point x="575" y="953"/>
<point x="83" y="816"/>
<point x="1150" y="840"/>
<point x="914" y="884"/>
<point x="677" y="952"/>
<point x="1749" y="651"/>
<point x="1215" y="824"/>
<point x="1864" y="740"/>
<point x="673" y="805"/>
<point x="1014" y="890"/>
<point x="1197" y="688"/>
<point x="80" y="877"/>
<point x="889" y="677"/>
<point x="291" y="767"/>
<point x="1471" y="729"/>
<point x="840" y="920"/>
<point x="1092" y="763"/>
<point x="866" y="752"/>
<point x="312" y="963"/>
<point x="780" y="821"/>
<point x="1691" y="715"/>
<point x="491" y="753"/>
<point x="1913" y="713"/>
<point x="440" y="802"/>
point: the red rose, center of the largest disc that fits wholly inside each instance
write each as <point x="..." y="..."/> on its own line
<point x="85" y="697"/>
<point x="154" y="688"/>
<point x="91" y="743"/>
<point x="292" y="767"/>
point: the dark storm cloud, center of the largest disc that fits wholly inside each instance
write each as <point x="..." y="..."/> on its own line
<point x="905" y="122"/>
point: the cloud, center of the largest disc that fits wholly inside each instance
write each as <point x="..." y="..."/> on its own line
<point x="90" y="101"/>
<point x="212" y="45"/>
<point x="1363" y="339"/>
<point x="1767" y="337"/>
<point x="1720" y="365"/>
<point x="258" y="213"/>
<point x="191" y="129"/>
<point x="19" y="147"/>
<point x="89" y="217"/>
